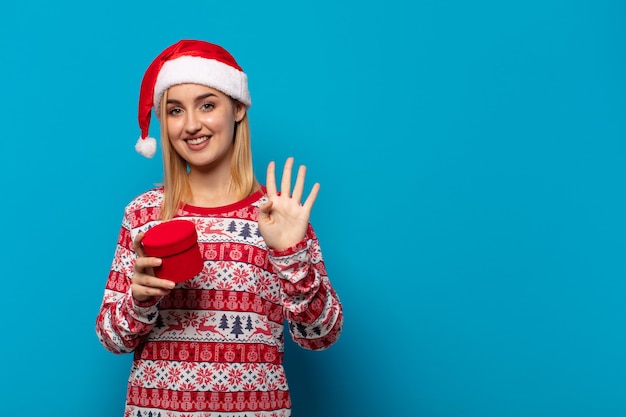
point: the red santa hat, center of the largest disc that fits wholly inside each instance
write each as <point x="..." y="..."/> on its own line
<point x="187" y="61"/>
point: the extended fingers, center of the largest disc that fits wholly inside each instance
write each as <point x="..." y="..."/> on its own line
<point x="285" y="184"/>
<point x="298" y="189"/>
<point x="310" y="200"/>
<point x="270" y="181"/>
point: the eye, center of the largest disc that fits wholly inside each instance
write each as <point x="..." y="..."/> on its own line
<point x="207" y="106"/>
<point x="173" y="111"/>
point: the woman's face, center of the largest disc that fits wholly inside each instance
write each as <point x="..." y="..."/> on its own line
<point x="201" y="123"/>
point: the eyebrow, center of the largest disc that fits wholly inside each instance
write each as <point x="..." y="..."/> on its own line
<point x="199" y="98"/>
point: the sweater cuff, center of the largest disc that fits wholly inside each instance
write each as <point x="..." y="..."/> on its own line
<point x="279" y="253"/>
<point x="143" y="311"/>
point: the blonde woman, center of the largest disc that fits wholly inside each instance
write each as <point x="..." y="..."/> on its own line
<point x="213" y="345"/>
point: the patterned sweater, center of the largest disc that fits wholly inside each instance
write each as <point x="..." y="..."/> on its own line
<point x="213" y="347"/>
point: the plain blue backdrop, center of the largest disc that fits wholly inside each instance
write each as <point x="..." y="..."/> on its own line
<point x="472" y="163"/>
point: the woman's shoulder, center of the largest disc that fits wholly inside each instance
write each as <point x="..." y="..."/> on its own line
<point x="150" y="199"/>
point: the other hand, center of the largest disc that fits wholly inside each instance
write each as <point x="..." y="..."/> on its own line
<point x="284" y="219"/>
<point x="145" y="285"/>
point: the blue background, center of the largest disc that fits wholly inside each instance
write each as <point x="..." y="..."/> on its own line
<point x="471" y="156"/>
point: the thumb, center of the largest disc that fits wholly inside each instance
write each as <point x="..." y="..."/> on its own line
<point x="265" y="209"/>
<point x="137" y="244"/>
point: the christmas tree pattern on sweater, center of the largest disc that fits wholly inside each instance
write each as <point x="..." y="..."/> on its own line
<point x="214" y="346"/>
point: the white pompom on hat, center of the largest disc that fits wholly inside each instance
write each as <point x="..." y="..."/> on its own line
<point x="187" y="61"/>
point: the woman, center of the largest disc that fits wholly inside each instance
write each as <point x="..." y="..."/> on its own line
<point x="213" y="345"/>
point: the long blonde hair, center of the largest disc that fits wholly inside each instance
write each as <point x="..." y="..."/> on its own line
<point x="175" y="169"/>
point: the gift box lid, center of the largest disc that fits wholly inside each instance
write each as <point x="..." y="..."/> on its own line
<point x="170" y="238"/>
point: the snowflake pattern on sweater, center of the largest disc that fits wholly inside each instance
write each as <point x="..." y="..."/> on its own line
<point x="213" y="347"/>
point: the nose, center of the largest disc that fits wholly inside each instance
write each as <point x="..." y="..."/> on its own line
<point x="192" y="123"/>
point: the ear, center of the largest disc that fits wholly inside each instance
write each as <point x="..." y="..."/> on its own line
<point x="240" y="111"/>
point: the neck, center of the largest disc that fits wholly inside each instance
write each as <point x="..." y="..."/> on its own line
<point x="211" y="189"/>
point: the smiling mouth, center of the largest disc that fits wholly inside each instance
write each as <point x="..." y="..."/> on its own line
<point x="197" y="141"/>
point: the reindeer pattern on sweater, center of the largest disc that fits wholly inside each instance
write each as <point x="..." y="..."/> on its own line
<point x="213" y="347"/>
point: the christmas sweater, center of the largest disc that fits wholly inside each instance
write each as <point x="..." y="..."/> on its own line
<point x="213" y="347"/>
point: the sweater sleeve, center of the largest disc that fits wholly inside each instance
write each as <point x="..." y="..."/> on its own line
<point x="122" y="321"/>
<point x="311" y="305"/>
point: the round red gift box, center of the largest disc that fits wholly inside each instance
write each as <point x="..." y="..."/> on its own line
<point x="176" y="243"/>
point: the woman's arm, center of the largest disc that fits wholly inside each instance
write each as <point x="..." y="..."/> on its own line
<point x="122" y="321"/>
<point x="310" y="304"/>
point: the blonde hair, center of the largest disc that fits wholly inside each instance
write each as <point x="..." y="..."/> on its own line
<point x="176" y="189"/>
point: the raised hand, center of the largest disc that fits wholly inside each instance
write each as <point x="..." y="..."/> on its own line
<point x="284" y="219"/>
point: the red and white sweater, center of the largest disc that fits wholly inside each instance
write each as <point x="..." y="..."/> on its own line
<point x="214" y="346"/>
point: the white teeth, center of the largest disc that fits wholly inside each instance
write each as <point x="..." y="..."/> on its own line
<point x="197" y="141"/>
